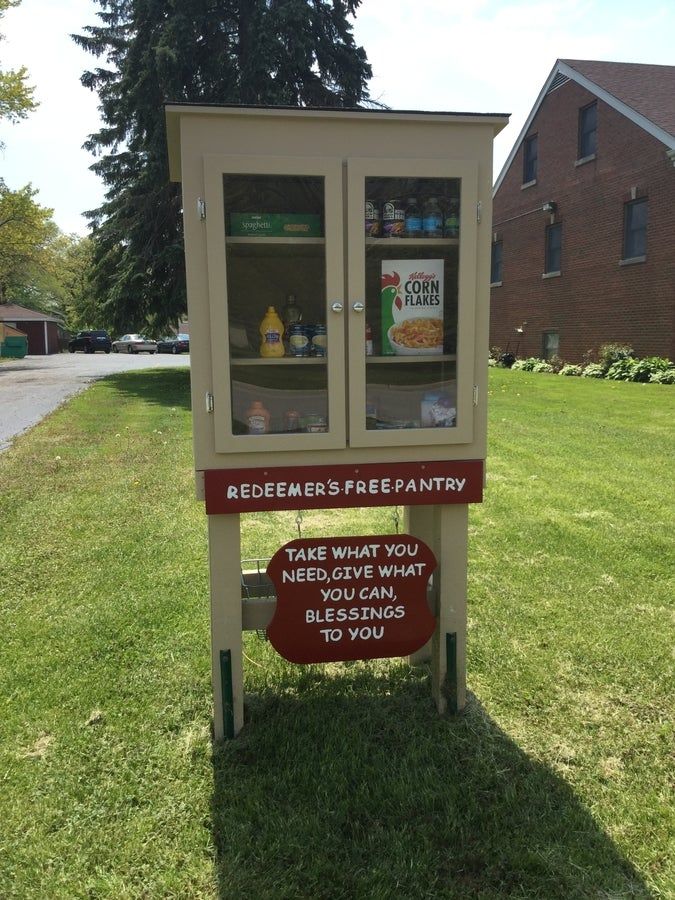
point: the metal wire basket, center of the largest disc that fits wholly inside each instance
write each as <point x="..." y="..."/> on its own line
<point x="256" y="584"/>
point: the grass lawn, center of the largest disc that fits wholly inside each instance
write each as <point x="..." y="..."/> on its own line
<point x="556" y="782"/>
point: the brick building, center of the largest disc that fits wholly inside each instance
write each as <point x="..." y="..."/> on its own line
<point x="584" y="216"/>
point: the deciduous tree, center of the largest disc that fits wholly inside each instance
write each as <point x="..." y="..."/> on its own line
<point x="16" y="95"/>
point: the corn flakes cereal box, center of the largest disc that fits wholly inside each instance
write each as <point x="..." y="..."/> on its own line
<point x="411" y="296"/>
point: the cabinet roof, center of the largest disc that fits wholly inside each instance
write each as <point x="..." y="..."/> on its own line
<point x="174" y="112"/>
<point x="643" y="93"/>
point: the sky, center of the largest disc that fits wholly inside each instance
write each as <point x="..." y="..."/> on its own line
<point x="473" y="56"/>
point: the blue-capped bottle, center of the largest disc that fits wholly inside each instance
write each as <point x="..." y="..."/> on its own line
<point x="432" y="219"/>
<point x="413" y="219"/>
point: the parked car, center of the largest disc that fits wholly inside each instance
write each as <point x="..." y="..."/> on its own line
<point x="90" y="342"/>
<point x="177" y="343"/>
<point x="134" y="343"/>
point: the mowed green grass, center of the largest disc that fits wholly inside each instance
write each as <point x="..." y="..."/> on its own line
<point x="556" y="782"/>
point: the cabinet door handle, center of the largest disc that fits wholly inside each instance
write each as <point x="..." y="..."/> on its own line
<point x="358" y="306"/>
<point x="337" y="306"/>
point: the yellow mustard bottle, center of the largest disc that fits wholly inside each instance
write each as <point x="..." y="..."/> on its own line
<point x="272" y="333"/>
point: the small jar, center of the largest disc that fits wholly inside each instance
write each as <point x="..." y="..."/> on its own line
<point x="257" y="418"/>
<point x="291" y="420"/>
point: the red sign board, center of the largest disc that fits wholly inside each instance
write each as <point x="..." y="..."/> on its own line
<point x="351" y="598"/>
<point x="334" y="487"/>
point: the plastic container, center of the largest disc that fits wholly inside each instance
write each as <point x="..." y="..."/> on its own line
<point x="257" y="418"/>
<point x="413" y="219"/>
<point x="432" y="219"/>
<point x="272" y="333"/>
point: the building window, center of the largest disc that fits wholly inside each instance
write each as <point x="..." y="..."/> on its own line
<point x="635" y="229"/>
<point x="530" y="159"/>
<point x="496" y="263"/>
<point x="550" y="344"/>
<point x="588" y="131"/>
<point x="553" y="249"/>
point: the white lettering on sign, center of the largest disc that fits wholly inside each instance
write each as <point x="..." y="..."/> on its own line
<point x="271" y="490"/>
<point x="336" y="596"/>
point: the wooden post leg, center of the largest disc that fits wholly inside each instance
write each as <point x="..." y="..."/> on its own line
<point x="448" y="665"/>
<point x="418" y="521"/>
<point x="226" y="632"/>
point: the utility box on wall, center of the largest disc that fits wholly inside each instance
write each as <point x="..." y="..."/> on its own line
<point x="338" y="289"/>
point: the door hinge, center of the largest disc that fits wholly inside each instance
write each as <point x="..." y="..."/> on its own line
<point x="201" y="208"/>
<point x="475" y="395"/>
<point x="479" y="207"/>
<point x="209" y="402"/>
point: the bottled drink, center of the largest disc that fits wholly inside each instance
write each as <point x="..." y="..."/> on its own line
<point x="413" y="219"/>
<point x="393" y="219"/>
<point x="369" y="340"/>
<point x="432" y="219"/>
<point x="452" y="219"/>
<point x="373" y="219"/>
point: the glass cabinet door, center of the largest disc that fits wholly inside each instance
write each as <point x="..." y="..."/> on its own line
<point x="411" y="308"/>
<point x="276" y="285"/>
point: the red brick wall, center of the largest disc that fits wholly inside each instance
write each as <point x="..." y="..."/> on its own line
<point x="595" y="300"/>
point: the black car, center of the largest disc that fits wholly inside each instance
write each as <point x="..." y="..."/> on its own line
<point x="90" y="342"/>
<point x="179" y="343"/>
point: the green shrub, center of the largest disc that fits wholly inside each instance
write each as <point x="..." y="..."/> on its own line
<point x="613" y="353"/>
<point x="665" y="376"/>
<point x="526" y="365"/>
<point x="593" y="370"/>
<point x="542" y="366"/>
<point x="650" y="365"/>
<point x="622" y="370"/>
<point x="570" y="369"/>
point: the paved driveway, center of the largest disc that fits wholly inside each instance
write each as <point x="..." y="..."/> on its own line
<point x="34" y="386"/>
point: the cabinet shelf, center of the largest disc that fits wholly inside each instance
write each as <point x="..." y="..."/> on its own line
<point x="279" y="361"/>
<point x="411" y="360"/>
<point x="275" y="246"/>
<point x="412" y="242"/>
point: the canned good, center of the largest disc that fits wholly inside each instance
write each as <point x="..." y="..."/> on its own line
<point x="298" y="341"/>
<point x="315" y="423"/>
<point x="373" y="219"/>
<point x="393" y="219"/>
<point x="319" y="341"/>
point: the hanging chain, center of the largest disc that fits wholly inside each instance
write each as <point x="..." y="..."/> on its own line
<point x="298" y="523"/>
<point x="397" y="519"/>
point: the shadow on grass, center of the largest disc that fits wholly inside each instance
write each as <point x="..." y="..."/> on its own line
<point x="165" y="387"/>
<point x="352" y="787"/>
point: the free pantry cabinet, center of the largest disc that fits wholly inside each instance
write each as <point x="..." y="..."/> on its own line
<point x="274" y="205"/>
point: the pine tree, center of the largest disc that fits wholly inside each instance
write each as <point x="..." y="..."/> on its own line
<point x="272" y="52"/>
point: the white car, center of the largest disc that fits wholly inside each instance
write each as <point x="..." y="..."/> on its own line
<point x="134" y="343"/>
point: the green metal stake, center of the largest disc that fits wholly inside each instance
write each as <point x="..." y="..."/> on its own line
<point x="226" y="691"/>
<point x="451" y="671"/>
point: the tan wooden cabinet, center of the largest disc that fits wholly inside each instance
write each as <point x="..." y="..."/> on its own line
<point x="393" y="307"/>
<point x="368" y="233"/>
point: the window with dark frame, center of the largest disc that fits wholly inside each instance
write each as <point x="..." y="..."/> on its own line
<point x="588" y="131"/>
<point x="553" y="248"/>
<point x="550" y="344"/>
<point x="635" y="229"/>
<point x="530" y="159"/>
<point x="496" y="263"/>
